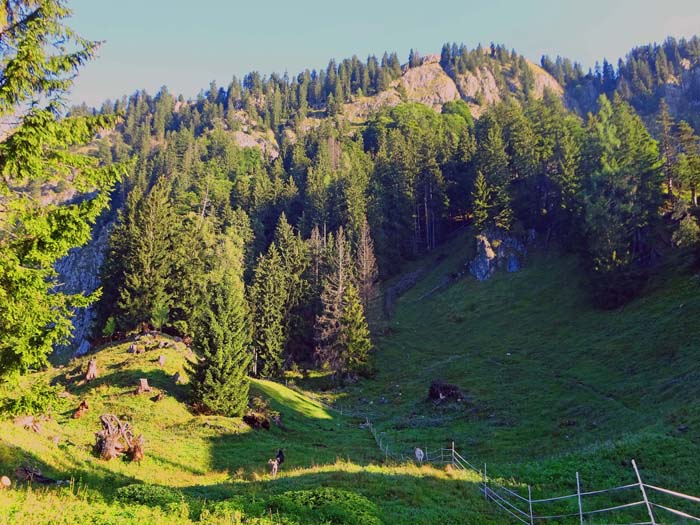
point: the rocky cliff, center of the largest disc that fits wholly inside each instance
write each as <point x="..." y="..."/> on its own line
<point x="78" y="272"/>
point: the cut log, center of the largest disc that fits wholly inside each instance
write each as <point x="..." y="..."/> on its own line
<point x="92" y="370"/>
<point x="161" y="361"/>
<point x="143" y="386"/>
<point x="82" y="408"/>
<point x="5" y="483"/>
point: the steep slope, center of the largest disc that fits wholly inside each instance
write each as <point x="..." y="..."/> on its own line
<point x="552" y="385"/>
<point x="206" y="469"/>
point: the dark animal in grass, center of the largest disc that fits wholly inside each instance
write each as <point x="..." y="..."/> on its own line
<point x="82" y="408"/>
<point x="440" y="391"/>
<point x="280" y="457"/>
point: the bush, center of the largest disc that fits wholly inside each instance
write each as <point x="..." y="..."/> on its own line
<point x="152" y="495"/>
<point x="40" y="399"/>
<point x="327" y="506"/>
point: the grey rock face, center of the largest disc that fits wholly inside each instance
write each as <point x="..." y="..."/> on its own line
<point x="496" y="249"/>
<point x="79" y="272"/>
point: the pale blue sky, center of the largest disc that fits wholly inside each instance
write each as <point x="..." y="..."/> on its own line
<point x="185" y="45"/>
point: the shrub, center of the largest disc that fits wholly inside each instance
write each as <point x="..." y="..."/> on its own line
<point x="327" y="506"/>
<point x="41" y="398"/>
<point x="152" y="495"/>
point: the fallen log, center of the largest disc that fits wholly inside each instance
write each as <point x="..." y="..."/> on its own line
<point x="32" y="475"/>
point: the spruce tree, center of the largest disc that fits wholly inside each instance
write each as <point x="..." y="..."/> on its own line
<point x="146" y="239"/>
<point x="268" y="297"/>
<point x="687" y="166"/>
<point x="665" y="124"/>
<point x="354" y="335"/>
<point x="367" y="271"/>
<point x="481" y="201"/>
<point x="330" y="347"/>
<point x="221" y="341"/>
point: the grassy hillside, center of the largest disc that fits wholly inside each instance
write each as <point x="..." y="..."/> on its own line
<point x="553" y="387"/>
<point x="213" y="469"/>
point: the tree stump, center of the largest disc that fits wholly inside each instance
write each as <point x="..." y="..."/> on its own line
<point x="5" y="483"/>
<point x="177" y="378"/>
<point x="115" y="438"/>
<point x="143" y="386"/>
<point x="92" y="370"/>
<point x="161" y="361"/>
<point x="136" y="451"/>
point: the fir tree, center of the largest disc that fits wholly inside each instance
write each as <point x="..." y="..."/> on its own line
<point x="330" y="347"/>
<point x="268" y="297"/>
<point x="354" y="337"/>
<point x="220" y="376"/>
<point x="481" y="199"/>
<point x="146" y="238"/>
<point x="367" y="271"/>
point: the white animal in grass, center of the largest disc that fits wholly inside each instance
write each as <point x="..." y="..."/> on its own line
<point x="420" y="455"/>
<point x="274" y="465"/>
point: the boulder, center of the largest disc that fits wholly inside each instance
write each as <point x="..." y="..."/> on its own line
<point x="496" y="249"/>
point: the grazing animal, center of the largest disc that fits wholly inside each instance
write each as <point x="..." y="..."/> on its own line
<point x="280" y="457"/>
<point x="274" y="465"/>
<point x="82" y="408"/>
<point x="420" y="455"/>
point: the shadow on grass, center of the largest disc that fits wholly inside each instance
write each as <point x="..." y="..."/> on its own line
<point x="94" y="475"/>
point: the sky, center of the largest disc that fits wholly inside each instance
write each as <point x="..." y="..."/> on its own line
<point x="186" y="45"/>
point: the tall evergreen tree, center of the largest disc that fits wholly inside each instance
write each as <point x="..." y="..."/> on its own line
<point x="146" y="238"/>
<point x="267" y="298"/>
<point x="354" y="337"/>
<point x="687" y="168"/>
<point x="39" y="149"/>
<point x="221" y="341"/>
<point x="367" y="271"/>
<point x="665" y="125"/>
<point x="330" y="346"/>
<point x="622" y="199"/>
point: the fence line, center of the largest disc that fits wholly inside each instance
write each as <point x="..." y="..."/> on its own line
<point x="509" y="500"/>
<point x="453" y="457"/>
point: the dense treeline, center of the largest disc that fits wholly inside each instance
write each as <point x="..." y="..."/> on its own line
<point x="284" y="247"/>
<point x="640" y="78"/>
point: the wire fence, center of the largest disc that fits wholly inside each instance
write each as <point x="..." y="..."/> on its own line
<point x="644" y="503"/>
<point x="640" y="502"/>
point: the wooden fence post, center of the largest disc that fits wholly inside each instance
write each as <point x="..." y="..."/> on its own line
<point x="644" y="493"/>
<point x="529" y="500"/>
<point x="578" y="493"/>
<point x="453" y="453"/>
<point x="486" y="494"/>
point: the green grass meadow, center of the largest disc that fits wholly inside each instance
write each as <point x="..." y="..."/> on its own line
<point x="552" y="387"/>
